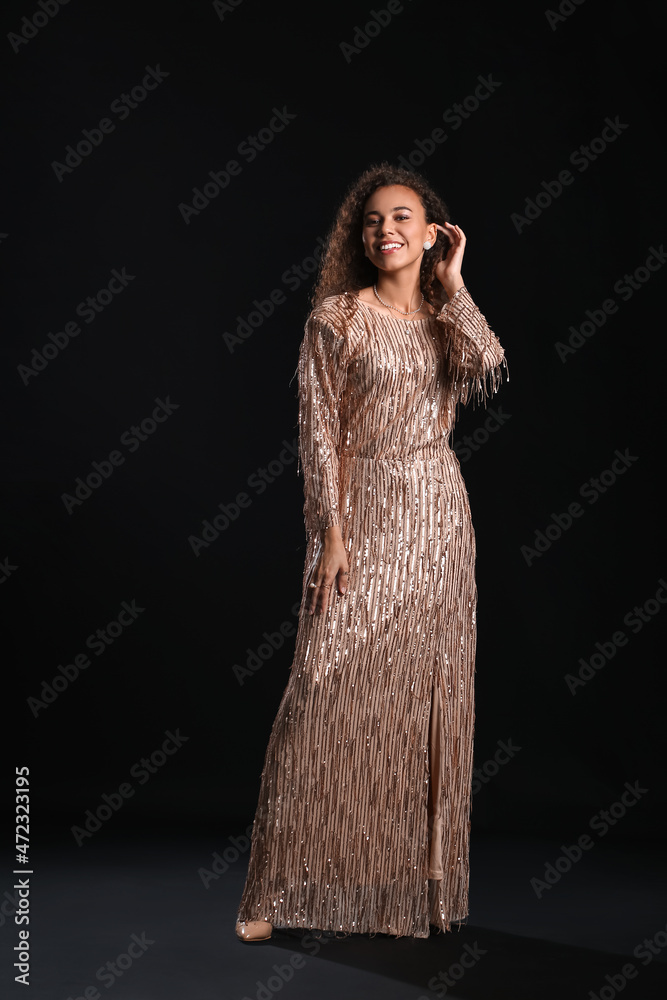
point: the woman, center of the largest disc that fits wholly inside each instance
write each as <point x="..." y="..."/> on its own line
<point x="362" y="823"/>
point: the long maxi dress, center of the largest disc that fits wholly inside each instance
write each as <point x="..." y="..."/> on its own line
<point x="363" y="818"/>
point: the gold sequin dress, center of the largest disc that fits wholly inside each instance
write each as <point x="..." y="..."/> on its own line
<point x="363" y="818"/>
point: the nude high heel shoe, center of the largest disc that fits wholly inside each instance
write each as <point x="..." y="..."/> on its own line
<point x="253" y="930"/>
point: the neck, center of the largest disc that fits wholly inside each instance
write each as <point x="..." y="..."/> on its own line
<point x="401" y="289"/>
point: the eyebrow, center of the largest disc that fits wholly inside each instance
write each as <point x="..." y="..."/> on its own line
<point x="375" y="212"/>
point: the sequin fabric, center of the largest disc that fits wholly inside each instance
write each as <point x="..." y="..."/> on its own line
<point x="363" y="818"/>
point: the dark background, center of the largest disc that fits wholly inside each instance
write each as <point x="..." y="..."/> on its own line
<point x="162" y="336"/>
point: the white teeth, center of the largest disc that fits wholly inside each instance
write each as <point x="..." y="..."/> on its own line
<point x="390" y="246"/>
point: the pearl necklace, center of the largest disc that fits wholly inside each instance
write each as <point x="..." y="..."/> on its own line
<point x="375" y="289"/>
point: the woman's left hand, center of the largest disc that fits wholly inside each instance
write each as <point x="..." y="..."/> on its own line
<point x="448" y="270"/>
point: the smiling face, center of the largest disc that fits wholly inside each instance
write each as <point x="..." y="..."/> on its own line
<point x="394" y="227"/>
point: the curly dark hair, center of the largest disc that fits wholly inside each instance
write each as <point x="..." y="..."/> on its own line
<point x="343" y="265"/>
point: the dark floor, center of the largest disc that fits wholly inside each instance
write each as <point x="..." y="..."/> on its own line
<point x="578" y="939"/>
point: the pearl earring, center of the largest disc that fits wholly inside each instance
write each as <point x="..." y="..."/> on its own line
<point x="428" y="245"/>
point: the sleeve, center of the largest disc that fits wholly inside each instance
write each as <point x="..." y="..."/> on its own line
<point x="322" y="370"/>
<point x="475" y="356"/>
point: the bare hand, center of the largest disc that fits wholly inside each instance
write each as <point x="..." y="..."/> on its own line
<point x="331" y="570"/>
<point x="448" y="270"/>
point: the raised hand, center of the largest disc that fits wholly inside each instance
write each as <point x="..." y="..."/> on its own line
<point x="448" y="270"/>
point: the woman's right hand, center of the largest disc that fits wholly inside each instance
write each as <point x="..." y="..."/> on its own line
<point x="331" y="571"/>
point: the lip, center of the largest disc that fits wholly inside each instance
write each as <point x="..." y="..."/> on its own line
<point x="393" y="249"/>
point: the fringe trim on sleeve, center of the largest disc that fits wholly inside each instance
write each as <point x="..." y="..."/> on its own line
<point x="475" y="357"/>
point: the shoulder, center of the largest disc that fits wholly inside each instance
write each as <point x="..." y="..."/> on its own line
<point x="340" y="320"/>
<point x="337" y="310"/>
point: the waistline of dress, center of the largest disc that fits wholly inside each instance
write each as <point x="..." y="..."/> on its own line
<point x="446" y="454"/>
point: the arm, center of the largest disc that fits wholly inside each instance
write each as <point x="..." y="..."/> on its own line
<point x="322" y="372"/>
<point x="475" y="356"/>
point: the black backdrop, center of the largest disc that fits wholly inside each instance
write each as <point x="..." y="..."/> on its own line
<point x="163" y="348"/>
